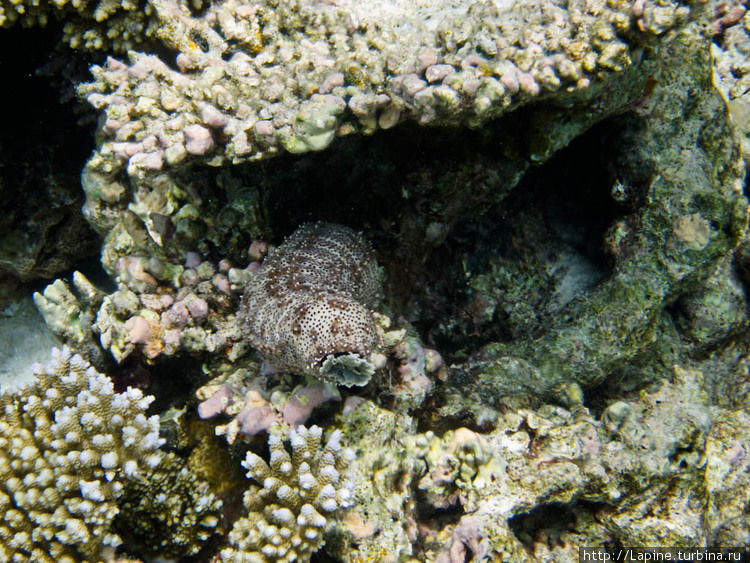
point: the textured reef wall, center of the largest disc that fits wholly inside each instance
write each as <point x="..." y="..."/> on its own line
<point x="493" y="253"/>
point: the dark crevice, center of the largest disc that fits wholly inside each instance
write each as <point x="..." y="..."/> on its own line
<point x="552" y="523"/>
<point x="394" y="185"/>
<point x="509" y="275"/>
<point x="43" y="146"/>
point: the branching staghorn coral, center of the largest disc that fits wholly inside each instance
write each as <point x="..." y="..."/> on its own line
<point x="289" y="512"/>
<point x="306" y="308"/>
<point x="67" y="444"/>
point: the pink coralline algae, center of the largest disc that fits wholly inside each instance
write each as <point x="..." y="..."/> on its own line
<point x="198" y="139"/>
<point x="306" y="310"/>
<point x="246" y="400"/>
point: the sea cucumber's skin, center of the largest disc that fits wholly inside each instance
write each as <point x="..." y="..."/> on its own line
<point x="310" y="299"/>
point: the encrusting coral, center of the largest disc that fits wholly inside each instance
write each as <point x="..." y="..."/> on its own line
<point x="290" y="509"/>
<point x="68" y="442"/>
<point x="306" y="310"/>
<point x="89" y="25"/>
<point x="256" y="403"/>
<point x="665" y="466"/>
<point x="256" y="77"/>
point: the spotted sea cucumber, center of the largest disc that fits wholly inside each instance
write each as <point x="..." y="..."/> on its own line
<point x="307" y="309"/>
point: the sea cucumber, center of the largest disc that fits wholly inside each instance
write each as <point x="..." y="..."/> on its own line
<point x="307" y="309"/>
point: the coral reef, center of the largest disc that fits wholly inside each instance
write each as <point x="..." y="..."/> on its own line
<point x="306" y="309"/>
<point x="352" y="67"/>
<point x="154" y="199"/>
<point x="71" y="315"/>
<point x="167" y="511"/>
<point x="560" y="354"/>
<point x="191" y="311"/>
<point x="292" y="79"/>
<point x="256" y="405"/>
<point x="642" y="466"/>
<point x="688" y="227"/>
<point x="69" y="443"/>
<point x="259" y="397"/>
<point x="108" y="24"/>
<point x="296" y="495"/>
<point x="731" y="68"/>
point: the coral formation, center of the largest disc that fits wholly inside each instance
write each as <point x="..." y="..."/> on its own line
<point x="269" y="79"/>
<point x="716" y="310"/>
<point x="256" y="403"/>
<point x="71" y="315"/>
<point x="690" y="227"/>
<point x="643" y="466"/>
<point x="353" y="68"/>
<point x="69" y="443"/>
<point x="167" y="511"/>
<point x="306" y="309"/>
<point x="296" y="495"/>
<point x="555" y="192"/>
<point x="107" y="24"/>
<point x="145" y="143"/>
<point x="190" y="310"/>
<point x="731" y="67"/>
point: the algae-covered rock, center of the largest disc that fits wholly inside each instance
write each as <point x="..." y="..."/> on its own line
<point x="690" y="212"/>
<point x="647" y="470"/>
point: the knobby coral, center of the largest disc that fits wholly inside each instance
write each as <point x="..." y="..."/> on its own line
<point x="306" y="310"/>
<point x="290" y="509"/>
<point x="68" y="442"/>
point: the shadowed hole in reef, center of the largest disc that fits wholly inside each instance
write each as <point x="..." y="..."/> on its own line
<point x="555" y="524"/>
<point x="508" y="273"/>
<point x="43" y="147"/>
<point x="323" y="557"/>
<point x="468" y="257"/>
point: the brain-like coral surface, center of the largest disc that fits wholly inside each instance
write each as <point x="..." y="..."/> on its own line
<point x="67" y="444"/>
<point x="306" y="309"/>
<point x="290" y="510"/>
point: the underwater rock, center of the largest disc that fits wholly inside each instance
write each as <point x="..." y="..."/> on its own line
<point x="306" y="309"/>
<point x="716" y="310"/>
<point x="692" y="214"/>
<point x="649" y="470"/>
